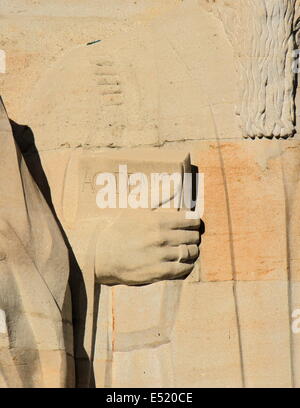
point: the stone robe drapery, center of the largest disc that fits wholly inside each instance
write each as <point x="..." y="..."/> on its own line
<point x="36" y="335"/>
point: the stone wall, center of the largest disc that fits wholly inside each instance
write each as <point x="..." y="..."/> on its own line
<point x="164" y="75"/>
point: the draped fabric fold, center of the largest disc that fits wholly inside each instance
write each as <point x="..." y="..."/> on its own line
<point x="34" y="273"/>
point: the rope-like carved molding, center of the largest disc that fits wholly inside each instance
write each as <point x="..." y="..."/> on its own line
<point x="263" y="36"/>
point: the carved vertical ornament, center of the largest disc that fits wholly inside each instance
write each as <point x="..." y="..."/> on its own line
<point x="263" y="33"/>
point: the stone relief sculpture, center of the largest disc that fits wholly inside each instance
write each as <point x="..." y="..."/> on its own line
<point x="36" y="312"/>
<point x="263" y="37"/>
<point x="36" y="321"/>
<point x="96" y="292"/>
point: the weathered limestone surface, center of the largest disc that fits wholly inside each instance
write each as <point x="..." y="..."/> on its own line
<point x="166" y="75"/>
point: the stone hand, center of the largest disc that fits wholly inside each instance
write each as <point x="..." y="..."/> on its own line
<point x="142" y="247"/>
